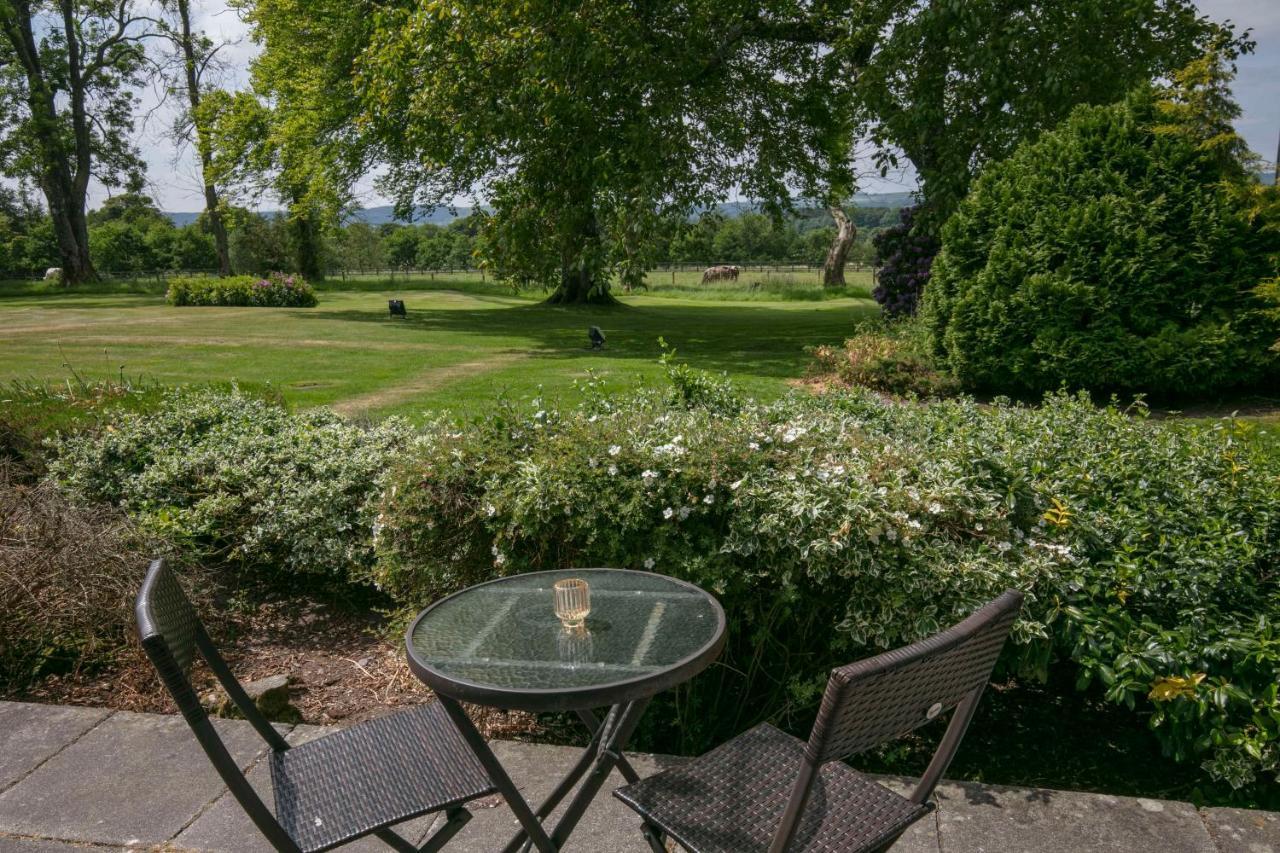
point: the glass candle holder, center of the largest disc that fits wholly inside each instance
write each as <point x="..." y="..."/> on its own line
<point x="574" y="645"/>
<point x="573" y="602"/>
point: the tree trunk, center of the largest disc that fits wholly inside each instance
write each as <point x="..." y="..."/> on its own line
<point x="306" y="246"/>
<point x="833" y="268"/>
<point x="577" y="285"/>
<point x="577" y="288"/>
<point x="216" y="225"/>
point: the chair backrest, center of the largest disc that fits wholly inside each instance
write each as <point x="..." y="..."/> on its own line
<point x="876" y="700"/>
<point x="172" y="636"/>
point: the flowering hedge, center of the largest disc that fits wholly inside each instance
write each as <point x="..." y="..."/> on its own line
<point x="275" y="291"/>
<point x="836" y="527"/>
<point x="230" y="477"/>
<point x="830" y="527"/>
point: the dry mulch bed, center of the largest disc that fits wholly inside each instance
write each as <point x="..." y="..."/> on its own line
<point x="341" y="665"/>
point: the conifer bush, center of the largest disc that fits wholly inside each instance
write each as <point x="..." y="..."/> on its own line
<point x="1114" y="254"/>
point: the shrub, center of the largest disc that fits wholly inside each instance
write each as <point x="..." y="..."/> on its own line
<point x="904" y="255"/>
<point x="68" y="575"/>
<point x="275" y="291"/>
<point x="237" y="478"/>
<point x="1107" y="256"/>
<point x="833" y="527"/>
<point x="890" y="358"/>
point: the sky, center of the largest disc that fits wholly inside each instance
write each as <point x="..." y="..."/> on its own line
<point x="175" y="187"/>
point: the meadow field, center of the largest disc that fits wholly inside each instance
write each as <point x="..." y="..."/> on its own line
<point x="464" y="344"/>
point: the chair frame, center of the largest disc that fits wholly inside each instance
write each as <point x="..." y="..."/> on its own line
<point x="174" y="676"/>
<point x="994" y="618"/>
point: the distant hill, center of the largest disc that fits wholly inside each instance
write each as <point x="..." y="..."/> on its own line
<point x="384" y="214"/>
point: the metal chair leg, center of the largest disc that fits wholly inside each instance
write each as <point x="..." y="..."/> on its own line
<point x="457" y="818"/>
<point x="654" y="837"/>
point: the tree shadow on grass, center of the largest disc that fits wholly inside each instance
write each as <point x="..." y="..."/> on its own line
<point x="758" y="340"/>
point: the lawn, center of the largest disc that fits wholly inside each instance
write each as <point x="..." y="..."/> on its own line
<point x="459" y="349"/>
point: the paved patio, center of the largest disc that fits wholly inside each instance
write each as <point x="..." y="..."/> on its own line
<point x="87" y="778"/>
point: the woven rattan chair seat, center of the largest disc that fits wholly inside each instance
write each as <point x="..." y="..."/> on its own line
<point x="377" y="773"/>
<point x="731" y="800"/>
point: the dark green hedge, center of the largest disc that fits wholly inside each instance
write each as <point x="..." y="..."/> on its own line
<point x="1106" y="256"/>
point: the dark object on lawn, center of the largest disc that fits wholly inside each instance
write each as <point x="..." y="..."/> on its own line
<point x="733" y="797"/>
<point x="331" y="790"/>
<point x="396" y="307"/>
<point x="596" y="336"/>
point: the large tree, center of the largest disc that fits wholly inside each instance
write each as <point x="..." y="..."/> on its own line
<point x="191" y="61"/>
<point x="67" y="68"/>
<point x="591" y="127"/>
<point x="955" y="86"/>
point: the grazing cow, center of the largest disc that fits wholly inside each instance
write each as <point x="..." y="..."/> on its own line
<point x="720" y="273"/>
<point x="53" y="274"/>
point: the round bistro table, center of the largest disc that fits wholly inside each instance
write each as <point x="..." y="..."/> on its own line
<point x="500" y="644"/>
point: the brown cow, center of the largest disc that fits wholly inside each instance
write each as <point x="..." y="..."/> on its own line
<point x="720" y="273"/>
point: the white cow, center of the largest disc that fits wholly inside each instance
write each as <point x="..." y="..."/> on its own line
<point x="53" y="274"/>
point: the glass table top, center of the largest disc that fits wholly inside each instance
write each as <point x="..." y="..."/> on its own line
<point x="504" y="636"/>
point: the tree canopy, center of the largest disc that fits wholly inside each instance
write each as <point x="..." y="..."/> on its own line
<point x="67" y="74"/>
<point x="591" y="126"/>
<point x="955" y="86"/>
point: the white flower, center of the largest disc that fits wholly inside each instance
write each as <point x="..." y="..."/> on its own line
<point x="668" y="512"/>
<point x="913" y="524"/>
<point x="490" y="510"/>
<point x="734" y="486"/>
<point x="755" y="445"/>
<point x="613" y="470"/>
<point x="615" y="450"/>
<point x="1003" y="546"/>
<point x="684" y="512"/>
<point x="709" y="499"/>
<point x="500" y="559"/>
<point x="649" y="563"/>
<point x="648" y="476"/>
<point x="935" y="507"/>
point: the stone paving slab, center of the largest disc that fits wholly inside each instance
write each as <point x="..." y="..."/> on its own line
<point x="1243" y="830"/>
<point x="994" y="819"/>
<point x="133" y="779"/>
<point x="30" y="734"/>
<point x="11" y="844"/>
<point x="86" y="777"/>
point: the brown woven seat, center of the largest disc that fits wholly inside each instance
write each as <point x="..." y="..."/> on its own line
<point x="336" y="788"/>
<point x="767" y="791"/>
<point x="731" y="800"/>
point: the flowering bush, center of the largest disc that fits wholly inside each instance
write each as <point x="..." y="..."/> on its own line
<point x="830" y="527"/>
<point x="275" y="291"/>
<point x="888" y="357"/>
<point x="839" y="526"/>
<point x="904" y="255"/>
<point x="239" y="479"/>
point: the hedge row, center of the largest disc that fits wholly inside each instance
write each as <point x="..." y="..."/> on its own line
<point x="275" y="291"/>
<point x="830" y="528"/>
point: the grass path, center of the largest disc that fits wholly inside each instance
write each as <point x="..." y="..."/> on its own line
<point x="457" y="350"/>
<point x="423" y="384"/>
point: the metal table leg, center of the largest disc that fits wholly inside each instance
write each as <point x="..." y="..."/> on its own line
<point x="600" y="757"/>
